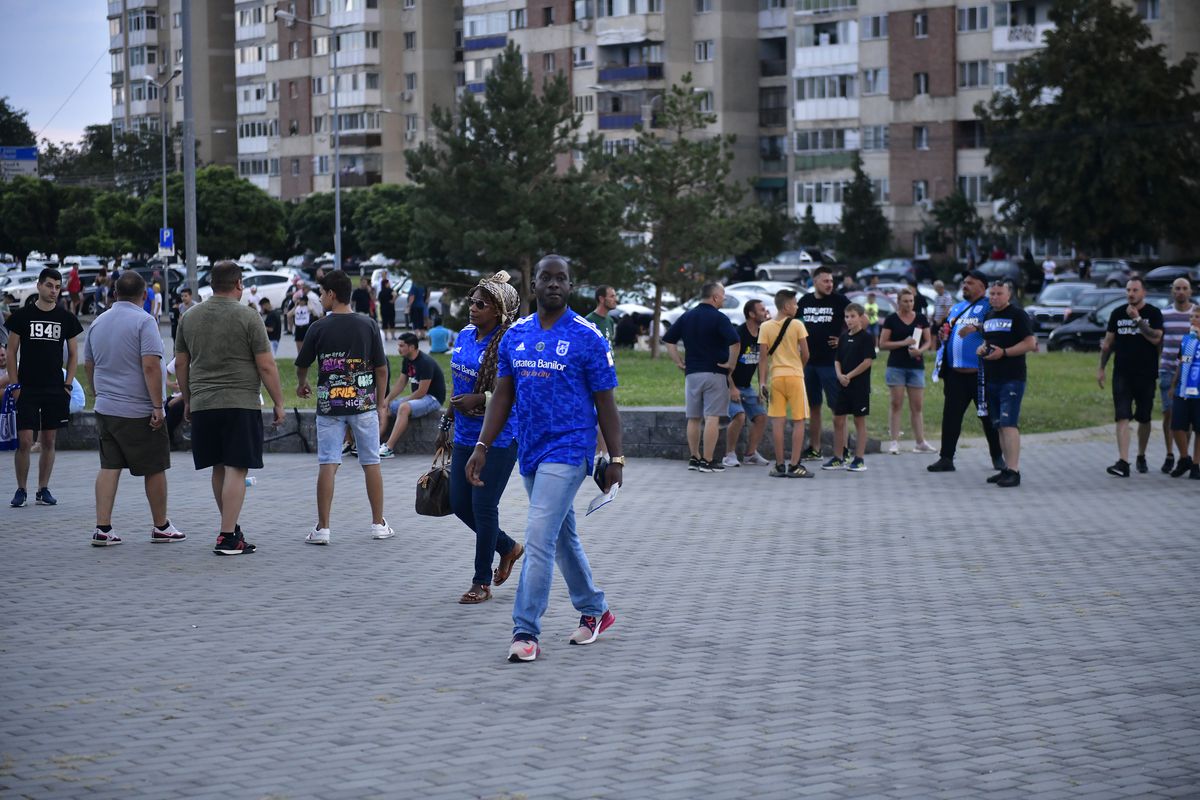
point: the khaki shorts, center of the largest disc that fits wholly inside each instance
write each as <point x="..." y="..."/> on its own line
<point x="132" y="444"/>
<point x="787" y="391"/>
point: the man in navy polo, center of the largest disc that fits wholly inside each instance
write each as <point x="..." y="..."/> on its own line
<point x="555" y="371"/>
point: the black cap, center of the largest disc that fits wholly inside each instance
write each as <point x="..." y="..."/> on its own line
<point x="978" y="275"/>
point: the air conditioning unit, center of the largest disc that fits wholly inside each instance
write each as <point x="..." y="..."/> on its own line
<point x="584" y="24"/>
<point x="406" y="95"/>
<point x="410" y="136"/>
<point x="925" y="204"/>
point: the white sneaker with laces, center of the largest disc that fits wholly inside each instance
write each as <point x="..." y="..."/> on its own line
<point x="893" y="448"/>
<point x="169" y="534"/>
<point x="731" y="460"/>
<point x="383" y="531"/>
<point x="924" y="447"/>
<point x="385" y="451"/>
<point x="318" y="536"/>
<point x="755" y="460"/>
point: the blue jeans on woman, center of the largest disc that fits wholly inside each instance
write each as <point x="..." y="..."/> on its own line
<point x="550" y="537"/>
<point x="479" y="506"/>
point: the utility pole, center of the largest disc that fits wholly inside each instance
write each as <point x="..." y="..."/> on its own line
<point x="189" y="152"/>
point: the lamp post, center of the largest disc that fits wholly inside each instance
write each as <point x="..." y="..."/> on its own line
<point x="290" y="20"/>
<point x="162" y="125"/>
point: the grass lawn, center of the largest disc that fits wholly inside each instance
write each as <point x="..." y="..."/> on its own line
<point x="1061" y="394"/>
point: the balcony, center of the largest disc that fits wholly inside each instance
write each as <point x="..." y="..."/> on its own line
<point x="355" y="179"/>
<point x="253" y="144"/>
<point x="772" y="117"/>
<point x="829" y="55"/>
<point x="250" y="32"/>
<point x="359" y="17"/>
<point x="118" y="110"/>
<point x="1020" y="37"/>
<point x="619" y="122"/>
<point x="772" y="18"/>
<point x="772" y="67"/>
<point x="250" y="68"/>
<point x="485" y="42"/>
<point x="640" y="72"/>
<point x="141" y="72"/>
<point x="772" y="165"/>
<point x="825" y="213"/>
<point x="477" y="88"/>
<point x="355" y="58"/>
<point x="361" y="97"/>
<point x="116" y="42"/>
<point x="252" y="106"/>
<point x="261" y="181"/>
<point x="827" y="108"/>
<point x="118" y="77"/>
<point x="115" y="8"/>
<point x="361" y="139"/>
<point x="142" y="38"/>
<point x="130" y="5"/>
<point x="837" y="160"/>
<point x="140" y="108"/>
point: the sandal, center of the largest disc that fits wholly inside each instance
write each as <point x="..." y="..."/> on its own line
<point x="506" y="563"/>
<point x="478" y="594"/>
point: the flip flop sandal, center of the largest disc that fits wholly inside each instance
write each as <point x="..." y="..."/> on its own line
<point x="478" y="594"/>
<point x="506" y="563"/>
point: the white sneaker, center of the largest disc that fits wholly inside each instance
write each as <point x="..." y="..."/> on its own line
<point x="171" y="534"/>
<point x="383" y="531"/>
<point x="893" y="448"/>
<point x="755" y="460"/>
<point x="318" y="536"/>
<point x="385" y="451"/>
<point x="924" y="447"/>
<point x="730" y="460"/>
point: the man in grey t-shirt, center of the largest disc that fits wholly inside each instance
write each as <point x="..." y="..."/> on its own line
<point x="123" y="358"/>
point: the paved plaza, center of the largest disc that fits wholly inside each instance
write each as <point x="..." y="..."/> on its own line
<point x="887" y="634"/>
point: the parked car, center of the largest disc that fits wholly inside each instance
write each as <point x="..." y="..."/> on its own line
<point x="889" y="269"/>
<point x="1161" y="278"/>
<point x="731" y="308"/>
<point x="1111" y="271"/>
<point x="1007" y="269"/>
<point x="1088" y="301"/>
<point x="16" y="286"/>
<point x="766" y="288"/>
<point x="1046" y="311"/>
<point x="259" y="284"/>
<point x="1086" y="332"/>
<point x="892" y="289"/>
<point x="793" y="265"/>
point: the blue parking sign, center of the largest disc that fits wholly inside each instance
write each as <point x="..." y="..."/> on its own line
<point x="166" y="241"/>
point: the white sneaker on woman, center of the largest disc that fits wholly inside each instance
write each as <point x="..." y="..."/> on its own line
<point x="924" y="447"/>
<point x="893" y="448"/>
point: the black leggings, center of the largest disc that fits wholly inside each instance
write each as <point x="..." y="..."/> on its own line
<point x="961" y="389"/>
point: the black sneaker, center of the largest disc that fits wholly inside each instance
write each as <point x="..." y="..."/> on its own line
<point x="44" y="498"/>
<point x="998" y="463"/>
<point x="1194" y="474"/>
<point x="798" y="471"/>
<point x="703" y="466"/>
<point x="943" y="464"/>
<point x="693" y="463"/>
<point x="1142" y="466"/>
<point x="715" y="466"/>
<point x="1009" y="478"/>
<point x="1119" y="469"/>
<point x="811" y="454"/>
<point x="1181" y="469"/>
<point x="232" y="544"/>
<point x="778" y="471"/>
<point x="1169" y="463"/>
<point x="996" y="478"/>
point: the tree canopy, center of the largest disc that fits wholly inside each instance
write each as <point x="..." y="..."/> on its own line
<point x="14" y="126"/>
<point x="864" y="232"/>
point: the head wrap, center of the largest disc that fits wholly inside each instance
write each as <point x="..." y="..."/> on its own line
<point x="507" y="301"/>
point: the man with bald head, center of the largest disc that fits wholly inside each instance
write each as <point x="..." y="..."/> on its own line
<point x="1175" y="326"/>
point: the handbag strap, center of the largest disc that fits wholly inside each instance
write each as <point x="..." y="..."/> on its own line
<point x="779" y="341"/>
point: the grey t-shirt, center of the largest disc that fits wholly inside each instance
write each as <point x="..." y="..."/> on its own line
<point x="221" y="338"/>
<point x="115" y="344"/>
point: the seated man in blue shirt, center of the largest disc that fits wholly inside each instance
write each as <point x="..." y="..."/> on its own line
<point x="555" y="371"/>
<point x="441" y="338"/>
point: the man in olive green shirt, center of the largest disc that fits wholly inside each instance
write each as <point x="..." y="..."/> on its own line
<point x="221" y="355"/>
<point x="606" y="301"/>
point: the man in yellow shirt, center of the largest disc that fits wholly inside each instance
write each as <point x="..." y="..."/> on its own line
<point x="784" y="339"/>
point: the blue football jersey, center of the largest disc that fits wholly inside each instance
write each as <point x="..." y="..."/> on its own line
<point x="464" y="371"/>
<point x="962" y="348"/>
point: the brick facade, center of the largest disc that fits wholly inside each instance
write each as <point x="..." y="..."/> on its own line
<point x="933" y="54"/>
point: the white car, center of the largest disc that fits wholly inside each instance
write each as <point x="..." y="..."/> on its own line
<point x="16" y="286"/>
<point x="796" y="265"/>
<point x="732" y="307"/>
<point x="764" y="288"/>
<point x="259" y="284"/>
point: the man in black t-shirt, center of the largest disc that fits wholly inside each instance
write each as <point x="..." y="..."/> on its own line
<point x="1135" y="332"/>
<point x="37" y="333"/>
<point x="273" y="323"/>
<point x="428" y="384"/>
<point x="744" y="401"/>
<point x="1007" y="337"/>
<point x="823" y="313"/>
<point x="361" y="297"/>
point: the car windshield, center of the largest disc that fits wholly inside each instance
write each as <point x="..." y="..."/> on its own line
<point x="1060" y="294"/>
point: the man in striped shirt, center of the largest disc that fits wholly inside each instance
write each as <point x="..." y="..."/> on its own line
<point x="1175" y="326"/>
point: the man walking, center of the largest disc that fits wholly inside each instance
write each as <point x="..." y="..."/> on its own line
<point x="1135" y="332"/>
<point x="823" y="313"/>
<point x="1176" y="324"/>
<point x="36" y="335"/>
<point x="556" y="372"/>
<point x="424" y="376"/>
<point x="961" y="336"/>
<point x="710" y="349"/>
<point x="744" y="402"/>
<point x="222" y="356"/>
<point x="351" y="384"/>
<point x="123" y="358"/>
<point x="606" y="301"/>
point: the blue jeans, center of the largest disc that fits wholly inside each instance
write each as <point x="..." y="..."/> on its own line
<point x="550" y="537"/>
<point x="1004" y="402"/>
<point x="478" y="506"/>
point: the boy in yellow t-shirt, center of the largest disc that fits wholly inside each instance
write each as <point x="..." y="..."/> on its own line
<point x="783" y="340"/>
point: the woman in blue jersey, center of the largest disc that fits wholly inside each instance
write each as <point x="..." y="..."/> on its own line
<point x="493" y="306"/>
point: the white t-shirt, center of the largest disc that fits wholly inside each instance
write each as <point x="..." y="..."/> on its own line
<point x="1048" y="268"/>
<point x="303" y="313"/>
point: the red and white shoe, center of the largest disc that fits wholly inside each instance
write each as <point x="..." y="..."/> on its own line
<point x="590" y="628"/>
<point x="170" y="534"/>
<point x="102" y="539"/>
<point x="523" y="650"/>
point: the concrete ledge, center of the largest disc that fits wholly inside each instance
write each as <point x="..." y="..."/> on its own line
<point x="649" y="432"/>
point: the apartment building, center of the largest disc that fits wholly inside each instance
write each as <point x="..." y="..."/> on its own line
<point x="146" y="47"/>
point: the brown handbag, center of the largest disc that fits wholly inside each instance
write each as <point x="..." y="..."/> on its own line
<point x="433" y="488"/>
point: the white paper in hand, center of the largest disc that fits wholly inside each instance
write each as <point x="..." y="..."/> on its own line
<point x="603" y="499"/>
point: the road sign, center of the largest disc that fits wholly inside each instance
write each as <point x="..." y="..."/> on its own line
<point x="166" y="242"/>
<point x="18" y="161"/>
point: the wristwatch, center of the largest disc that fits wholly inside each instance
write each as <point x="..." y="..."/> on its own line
<point x="617" y="460"/>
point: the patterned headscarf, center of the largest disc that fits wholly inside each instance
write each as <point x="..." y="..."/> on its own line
<point x="507" y="301"/>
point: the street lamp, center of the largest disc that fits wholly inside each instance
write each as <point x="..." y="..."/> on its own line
<point x="162" y="125"/>
<point x="290" y="20"/>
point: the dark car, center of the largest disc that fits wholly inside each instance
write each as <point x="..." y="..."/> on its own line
<point x="889" y="269"/>
<point x="1088" y="301"/>
<point x="1004" y="270"/>
<point x="1161" y="278"/>
<point x="1111" y="271"/>
<point x="1046" y="311"/>
<point x="1088" y="331"/>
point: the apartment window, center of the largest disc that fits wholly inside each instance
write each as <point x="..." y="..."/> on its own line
<point x="974" y="188"/>
<point x="825" y="86"/>
<point x="179" y="55"/>
<point x="821" y="191"/>
<point x="920" y="137"/>
<point x="920" y="25"/>
<point x="117" y="61"/>
<point x="873" y="27"/>
<point x="874" y="137"/>
<point x="580" y="56"/>
<point x="1148" y="9"/>
<point x="258" y="128"/>
<point x="372" y="80"/>
<point x="410" y="4"/>
<point x="272" y="91"/>
<point x="881" y="190"/>
<point x="486" y="24"/>
<point x="614" y="147"/>
<point x="318" y="84"/>
<point x="359" y="40"/>
<point x="704" y="101"/>
<point x="410" y="122"/>
<point x="142" y="21"/>
<point x="972" y="74"/>
<point x="293" y="91"/>
<point x="767" y="5"/>
<point x="293" y="50"/>
<point x="516" y="19"/>
<point x="1000" y="72"/>
<point x="654" y="6"/>
<point x="585" y="104"/>
<point x="293" y="127"/>
<point x="318" y="125"/>
<point x="704" y="50"/>
<point x="875" y="81"/>
<point x="410" y="40"/>
<point x="320" y="46"/>
<point x="410" y="81"/>
<point x="253" y="166"/>
<point x="360" y="121"/>
<point x="318" y="8"/>
<point x="115" y="26"/>
<point x="548" y="62"/>
<point x="703" y="6"/>
<point x="823" y="6"/>
<point x="547" y="16"/>
<point x="820" y="140"/>
<point x="322" y="165"/>
<point x="295" y="168"/>
<point x="250" y="16"/>
<point x="920" y="191"/>
<point x="179" y="91"/>
<point x="273" y="51"/>
<point x="273" y="167"/>
<point x="921" y="83"/>
<point x="177" y="20"/>
<point x="972" y="19"/>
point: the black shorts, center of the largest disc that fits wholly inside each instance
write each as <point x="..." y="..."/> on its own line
<point x="299" y="334"/>
<point x="1128" y="391"/>
<point x="43" y="409"/>
<point x="416" y="317"/>
<point x="1185" y="414"/>
<point x="229" y="436"/>
<point x="854" y="401"/>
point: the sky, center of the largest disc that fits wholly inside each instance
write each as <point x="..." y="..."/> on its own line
<point x="49" y="46"/>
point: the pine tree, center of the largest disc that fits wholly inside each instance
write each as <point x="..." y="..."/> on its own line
<point x="864" y="232"/>
<point x="810" y="231"/>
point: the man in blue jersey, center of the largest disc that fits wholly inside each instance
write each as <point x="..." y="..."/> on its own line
<point x="555" y="371"/>
<point x="961" y="337"/>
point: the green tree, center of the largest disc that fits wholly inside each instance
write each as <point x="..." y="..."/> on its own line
<point x="810" y="231"/>
<point x="1097" y="140"/>
<point x="29" y="210"/>
<point x="777" y="231"/>
<point x="310" y="224"/>
<point x="14" y="126"/>
<point x="863" y="233"/>
<point x="677" y="191"/>
<point x="382" y="220"/>
<point x="954" y="221"/>
<point x="498" y="189"/>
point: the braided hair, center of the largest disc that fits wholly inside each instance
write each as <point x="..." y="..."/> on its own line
<point x="507" y="303"/>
